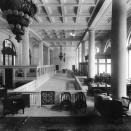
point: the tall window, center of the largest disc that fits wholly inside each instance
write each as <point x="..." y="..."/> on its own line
<point x="108" y="66"/>
<point x="129" y="57"/>
<point x="103" y="66"/>
<point x="8" y="52"/>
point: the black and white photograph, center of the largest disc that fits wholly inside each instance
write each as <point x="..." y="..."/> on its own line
<point x="65" y="65"/>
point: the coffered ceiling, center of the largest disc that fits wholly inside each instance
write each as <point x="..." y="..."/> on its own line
<point x="66" y="22"/>
<point x="63" y="21"/>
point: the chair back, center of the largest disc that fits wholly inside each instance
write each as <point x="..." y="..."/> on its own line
<point x="80" y="101"/>
<point x="65" y="96"/>
<point x="80" y="96"/>
<point x="125" y="103"/>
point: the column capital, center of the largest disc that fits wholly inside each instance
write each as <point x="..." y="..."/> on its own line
<point x="92" y="30"/>
<point x="82" y="41"/>
<point x="26" y="30"/>
<point x="41" y="43"/>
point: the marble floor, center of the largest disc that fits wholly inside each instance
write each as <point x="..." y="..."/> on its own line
<point x="59" y="83"/>
<point x="51" y="118"/>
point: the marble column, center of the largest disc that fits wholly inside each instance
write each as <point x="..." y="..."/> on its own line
<point x="80" y="52"/>
<point x="19" y="54"/>
<point x="25" y="48"/>
<point x="78" y="58"/>
<point x="51" y="57"/>
<point x="78" y="55"/>
<point x="48" y="56"/>
<point x="83" y="52"/>
<point x="91" y="62"/>
<point x="41" y="54"/>
<point x="119" y="48"/>
<point x="86" y="49"/>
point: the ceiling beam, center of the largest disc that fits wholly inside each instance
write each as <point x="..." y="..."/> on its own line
<point x="66" y="4"/>
<point x="62" y="11"/>
<point x="35" y="34"/>
<point x="59" y="26"/>
<point x="103" y="27"/>
<point x="63" y="15"/>
<point x="47" y="11"/>
<point x="103" y="9"/>
<point x="78" y="10"/>
<point x="63" y="45"/>
<point x="66" y="39"/>
<point x="97" y="14"/>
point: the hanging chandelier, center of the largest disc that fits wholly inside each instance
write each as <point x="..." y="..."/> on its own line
<point x="61" y="54"/>
<point x="64" y="57"/>
<point x="18" y="14"/>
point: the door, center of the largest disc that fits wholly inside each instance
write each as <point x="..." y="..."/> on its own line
<point x="57" y="67"/>
<point x="8" y="78"/>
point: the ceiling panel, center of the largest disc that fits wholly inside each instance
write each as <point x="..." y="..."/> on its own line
<point x="67" y="20"/>
<point x="45" y="19"/>
<point x="52" y="1"/>
<point x="54" y="10"/>
<point x="70" y="1"/>
<point x="89" y="1"/>
<point x="42" y="10"/>
<point x="72" y="10"/>
<point x="70" y="19"/>
<point x="83" y="20"/>
<point x="57" y="20"/>
<point x="64" y="20"/>
<point x="85" y="10"/>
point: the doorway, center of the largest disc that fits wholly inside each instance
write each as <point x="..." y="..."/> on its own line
<point x="8" y="78"/>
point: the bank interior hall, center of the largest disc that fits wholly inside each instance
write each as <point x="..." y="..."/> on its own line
<point x="65" y="65"/>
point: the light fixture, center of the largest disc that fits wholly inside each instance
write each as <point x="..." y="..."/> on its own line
<point x="64" y="57"/>
<point x="97" y="50"/>
<point x="72" y="33"/>
<point x="61" y="54"/>
<point x="18" y="14"/>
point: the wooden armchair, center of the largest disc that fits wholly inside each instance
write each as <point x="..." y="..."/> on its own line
<point x="66" y="101"/>
<point x="80" y="100"/>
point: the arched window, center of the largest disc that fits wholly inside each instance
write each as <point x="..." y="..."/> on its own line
<point x="103" y="61"/>
<point x="107" y="49"/>
<point x="129" y="56"/>
<point x="8" y="52"/>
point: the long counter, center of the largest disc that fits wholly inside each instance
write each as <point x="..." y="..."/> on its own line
<point x="19" y="75"/>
